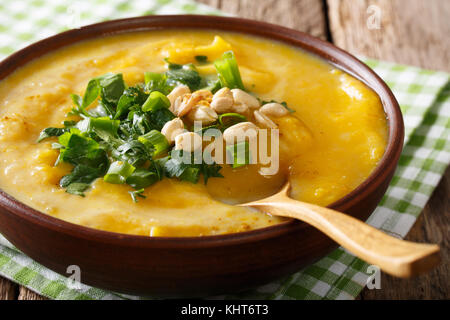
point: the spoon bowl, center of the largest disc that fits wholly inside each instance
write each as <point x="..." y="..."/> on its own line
<point x="257" y="186"/>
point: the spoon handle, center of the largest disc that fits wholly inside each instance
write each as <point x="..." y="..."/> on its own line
<point x="394" y="256"/>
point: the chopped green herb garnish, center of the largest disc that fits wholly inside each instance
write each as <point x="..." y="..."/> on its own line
<point x="91" y="94"/>
<point x="77" y="188"/>
<point x="118" y="172"/>
<point x="155" y="101"/>
<point x="211" y="171"/>
<point x="51" y="132"/>
<point x="185" y="74"/>
<point x="79" y="149"/>
<point x="173" y="66"/>
<point x="201" y="59"/>
<point x="118" y="136"/>
<point x="228" y="119"/>
<point x="137" y="193"/>
<point x="174" y="167"/>
<point x="213" y="85"/>
<point x="112" y="87"/>
<point x="157" y="82"/>
<point x="142" y="178"/>
<point x="155" y="140"/>
<point x="81" y="174"/>
<point x="228" y="71"/>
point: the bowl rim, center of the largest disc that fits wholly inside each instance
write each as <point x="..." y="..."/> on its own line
<point x="312" y="45"/>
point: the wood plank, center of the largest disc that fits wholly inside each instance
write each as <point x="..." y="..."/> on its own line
<point x="25" y="294"/>
<point x="8" y="289"/>
<point x="411" y="31"/>
<point x="433" y="226"/>
<point x="304" y="15"/>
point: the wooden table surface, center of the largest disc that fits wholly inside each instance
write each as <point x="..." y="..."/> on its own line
<point x="411" y="32"/>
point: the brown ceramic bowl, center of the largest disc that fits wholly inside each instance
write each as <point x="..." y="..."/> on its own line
<point x="197" y="265"/>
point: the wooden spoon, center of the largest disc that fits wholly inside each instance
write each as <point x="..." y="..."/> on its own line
<point x="397" y="257"/>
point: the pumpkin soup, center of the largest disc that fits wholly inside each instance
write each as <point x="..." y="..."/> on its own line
<point x="98" y="133"/>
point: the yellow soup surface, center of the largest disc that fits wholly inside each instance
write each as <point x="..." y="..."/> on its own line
<point x="328" y="146"/>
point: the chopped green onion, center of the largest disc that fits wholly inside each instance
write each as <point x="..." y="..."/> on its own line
<point x="155" y="140"/>
<point x="118" y="172"/>
<point x="104" y="124"/>
<point x="155" y="101"/>
<point x="228" y="119"/>
<point x="153" y="77"/>
<point x="204" y="130"/>
<point x="228" y="71"/>
<point x="239" y="153"/>
<point x="156" y="82"/>
<point x="142" y="178"/>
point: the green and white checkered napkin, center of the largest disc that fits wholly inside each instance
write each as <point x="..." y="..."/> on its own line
<point x="424" y="97"/>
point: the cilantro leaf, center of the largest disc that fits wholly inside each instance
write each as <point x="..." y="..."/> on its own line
<point x="77" y="188"/>
<point x="190" y="174"/>
<point x="133" y="152"/>
<point x="91" y="94"/>
<point x="112" y="87"/>
<point x="157" y="82"/>
<point x="51" y="132"/>
<point x="78" y="149"/>
<point x="81" y="174"/>
<point x="159" y="118"/>
<point x="186" y="74"/>
<point x="211" y="171"/>
<point x="175" y="167"/>
<point x="142" y="178"/>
